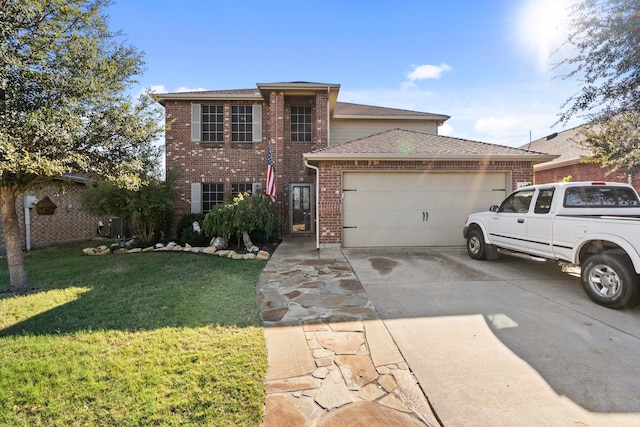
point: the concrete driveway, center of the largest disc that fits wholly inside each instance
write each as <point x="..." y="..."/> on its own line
<point x="506" y="342"/>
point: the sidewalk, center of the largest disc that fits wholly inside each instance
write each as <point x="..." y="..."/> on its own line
<point x="332" y="361"/>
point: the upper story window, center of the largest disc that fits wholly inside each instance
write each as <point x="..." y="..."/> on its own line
<point x="208" y="123"/>
<point x="241" y="123"/>
<point x="301" y="124"/>
<point x="213" y="123"/>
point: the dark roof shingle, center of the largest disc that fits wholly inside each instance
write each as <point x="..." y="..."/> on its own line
<point x="400" y="144"/>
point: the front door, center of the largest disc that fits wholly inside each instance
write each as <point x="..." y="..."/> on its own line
<point x="301" y="208"/>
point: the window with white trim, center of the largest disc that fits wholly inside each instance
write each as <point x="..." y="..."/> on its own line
<point x="208" y="123"/>
<point x="241" y="187"/>
<point x="241" y="123"/>
<point x="301" y="124"/>
<point x="212" y="194"/>
<point x="212" y="123"/>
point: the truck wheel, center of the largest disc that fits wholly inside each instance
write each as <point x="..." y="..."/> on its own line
<point x="475" y="244"/>
<point x="609" y="280"/>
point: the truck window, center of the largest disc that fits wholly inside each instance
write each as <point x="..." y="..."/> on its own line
<point x="600" y="197"/>
<point x="517" y="202"/>
<point x="543" y="203"/>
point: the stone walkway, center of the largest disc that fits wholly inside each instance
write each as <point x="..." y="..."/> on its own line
<point x="332" y="361"/>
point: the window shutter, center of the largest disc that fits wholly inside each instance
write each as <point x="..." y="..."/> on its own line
<point x="196" y="118"/>
<point x="256" y="113"/>
<point x="196" y="197"/>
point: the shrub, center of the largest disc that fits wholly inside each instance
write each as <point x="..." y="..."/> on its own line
<point x="147" y="208"/>
<point x="247" y="214"/>
<point x="186" y="233"/>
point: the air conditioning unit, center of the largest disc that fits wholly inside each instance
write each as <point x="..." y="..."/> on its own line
<point x="119" y="227"/>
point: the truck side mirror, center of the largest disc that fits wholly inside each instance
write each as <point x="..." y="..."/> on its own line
<point x="494" y="208"/>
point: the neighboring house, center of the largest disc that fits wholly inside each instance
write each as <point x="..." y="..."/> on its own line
<point x="574" y="160"/>
<point x="355" y="175"/>
<point x="66" y="223"/>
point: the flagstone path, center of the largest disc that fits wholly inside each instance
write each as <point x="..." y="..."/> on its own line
<point x="332" y="361"/>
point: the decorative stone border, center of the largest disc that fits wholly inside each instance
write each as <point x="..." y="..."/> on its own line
<point x="208" y="250"/>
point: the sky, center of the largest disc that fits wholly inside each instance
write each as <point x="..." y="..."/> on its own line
<point x="485" y="63"/>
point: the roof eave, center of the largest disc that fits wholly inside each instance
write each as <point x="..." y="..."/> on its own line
<point x="193" y="96"/>
<point x="534" y="158"/>
<point x="437" y="117"/>
<point x="553" y="165"/>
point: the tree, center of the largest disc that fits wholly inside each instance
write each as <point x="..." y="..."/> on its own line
<point x="64" y="108"/>
<point x="616" y="142"/>
<point x="605" y="36"/>
<point x="147" y="208"/>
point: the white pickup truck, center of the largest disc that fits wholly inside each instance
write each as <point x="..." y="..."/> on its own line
<point x="592" y="224"/>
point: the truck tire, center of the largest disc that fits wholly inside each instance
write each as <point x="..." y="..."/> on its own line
<point x="610" y="280"/>
<point x="475" y="244"/>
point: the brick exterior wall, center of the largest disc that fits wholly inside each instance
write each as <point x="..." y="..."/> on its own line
<point x="229" y="162"/>
<point x="329" y="211"/>
<point x="65" y="225"/>
<point x="587" y="171"/>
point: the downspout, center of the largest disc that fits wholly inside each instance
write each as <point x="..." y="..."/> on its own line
<point x="27" y="228"/>
<point x="328" y="116"/>
<point x="315" y="168"/>
<point x="29" y="203"/>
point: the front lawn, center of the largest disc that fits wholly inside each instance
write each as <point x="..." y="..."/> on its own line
<point x="147" y="339"/>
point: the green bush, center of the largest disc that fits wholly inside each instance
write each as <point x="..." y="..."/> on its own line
<point x="186" y="234"/>
<point x="252" y="214"/>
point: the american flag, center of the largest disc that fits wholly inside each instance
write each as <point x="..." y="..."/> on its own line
<point x="271" y="185"/>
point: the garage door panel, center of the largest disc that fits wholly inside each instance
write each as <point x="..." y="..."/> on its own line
<point x="379" y="237"/>
<point x="412" y="200"/>
<point x="414" y="209"/>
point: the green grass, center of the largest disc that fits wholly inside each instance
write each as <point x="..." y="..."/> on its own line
<point x="147" y="339"/>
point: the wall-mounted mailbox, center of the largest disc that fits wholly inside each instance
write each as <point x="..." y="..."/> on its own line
<point x="45" y="207"/>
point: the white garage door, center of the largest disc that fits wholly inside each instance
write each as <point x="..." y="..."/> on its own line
<point x="414" y="209"/>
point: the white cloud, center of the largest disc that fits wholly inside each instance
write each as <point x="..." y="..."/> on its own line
<point x="422" y="72"/>
<point x="500" y="127"/>
<point x="158" y="89"/>
<point x="189" y="89"/>
<point x="163" y="89"/>
<point x="446" y="130"/>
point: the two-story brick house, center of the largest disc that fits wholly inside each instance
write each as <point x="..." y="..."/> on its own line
<point x="353" y="175"/>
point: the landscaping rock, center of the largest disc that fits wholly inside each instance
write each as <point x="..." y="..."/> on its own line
<point x="102" y="250"/>
<point x="173" y="247"/>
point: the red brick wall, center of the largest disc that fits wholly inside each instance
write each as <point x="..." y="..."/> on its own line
<point x="205" y="163"/>
<point x="329" y="211"/>
<point x="230" y="163"/>
<point x="69" y="223"/>
<point x="583" y="172"/>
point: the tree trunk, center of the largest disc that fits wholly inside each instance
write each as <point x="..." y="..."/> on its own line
<point x="11" y="229"/>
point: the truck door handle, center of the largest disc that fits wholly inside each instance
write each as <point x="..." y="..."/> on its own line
<point x="520" y="220"/>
